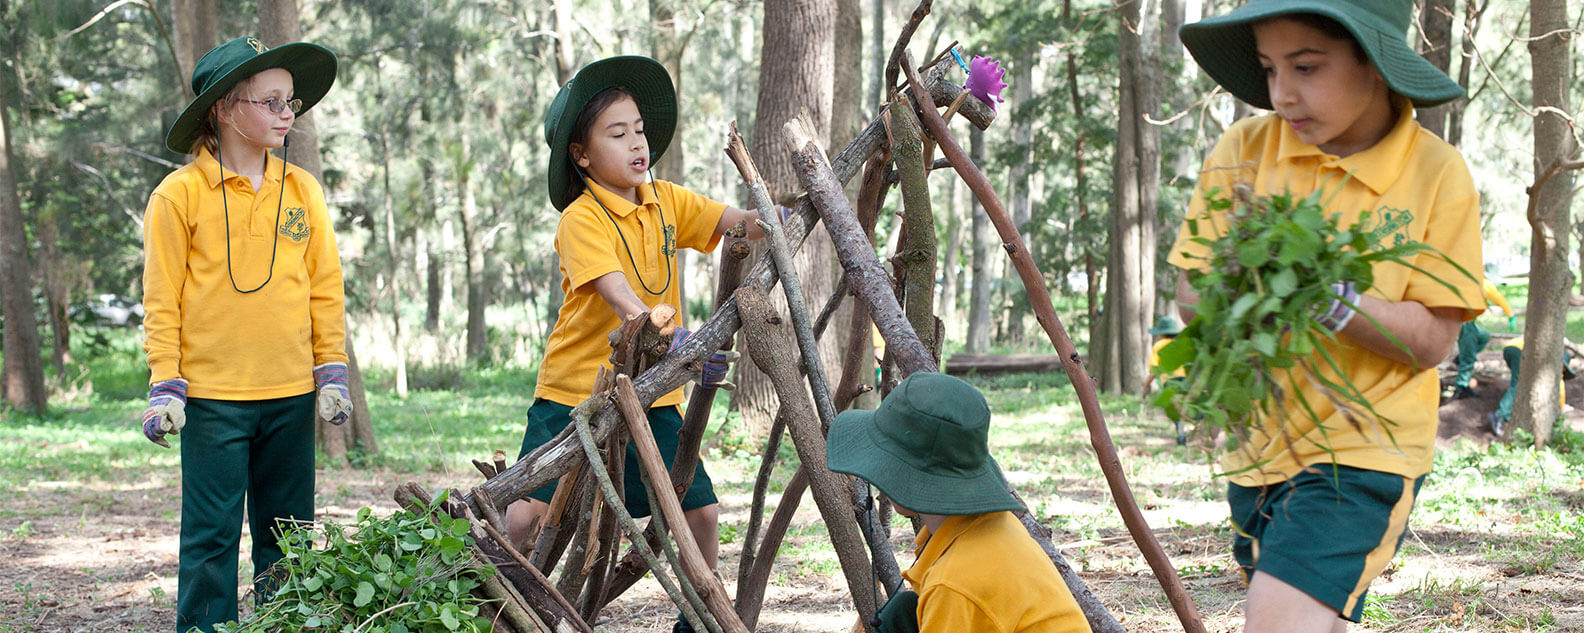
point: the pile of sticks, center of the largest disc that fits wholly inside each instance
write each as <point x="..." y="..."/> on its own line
<point x="587" y="458"/>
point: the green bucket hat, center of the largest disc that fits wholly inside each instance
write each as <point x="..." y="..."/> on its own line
<point x="1224" y="47"/>
<point x="650" y="86"/>
<point x="1166" y="326"/>
<point x="313" y="70"/>
<point x="926" y="448"/>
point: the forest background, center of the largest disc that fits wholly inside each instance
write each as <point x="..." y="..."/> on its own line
<point x="433" y="163"/>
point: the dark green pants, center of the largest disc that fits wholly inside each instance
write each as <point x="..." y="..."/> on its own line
<point x="1471" y="339"/>
<point x="260" y="452"/>
<point x="1514" y="358"/>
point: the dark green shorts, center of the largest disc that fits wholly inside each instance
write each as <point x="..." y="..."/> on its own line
<point x="546" y="419"/>
<point x="1328" y="531"/>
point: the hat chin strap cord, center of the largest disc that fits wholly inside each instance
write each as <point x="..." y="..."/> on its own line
<point x="590" y="191"/>
<point x="281" y="197"/>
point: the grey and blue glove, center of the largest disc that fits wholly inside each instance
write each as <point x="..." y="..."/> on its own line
<point x="167" y="410"/>
<point x="335" y="400"/>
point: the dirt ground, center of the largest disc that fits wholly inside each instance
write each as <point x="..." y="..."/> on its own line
<point x="106" y="561"/>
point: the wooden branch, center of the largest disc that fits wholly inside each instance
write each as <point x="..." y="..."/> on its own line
<point x="553" y="459"/>
<point x="754" y="573"/>
<point x="903" y="39"/>
<point x="781" y="253"/>
<point x="580" y="426"/>
<point x="1100" y="436"/>
<point x="697" y="569"/>
<point x="550" y="526"/>
<point x="918" y="227"/>
<point x="766" y="344"/>
<point x="767" y="462"/>
<point x="868" y="279"/>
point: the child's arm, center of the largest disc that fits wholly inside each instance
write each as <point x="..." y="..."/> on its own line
<point x="733" y="215"/>
<point x="614" y="289"/>
<point x="1429" y="333"/>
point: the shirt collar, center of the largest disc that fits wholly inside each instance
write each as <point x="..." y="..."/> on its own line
<point x="930" y="546"/>
<point x="1377" y="167"/>
<point x="618" y="205"/>
<point x="212" y="170"/>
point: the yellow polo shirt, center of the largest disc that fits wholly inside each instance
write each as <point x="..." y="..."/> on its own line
<point x="230" y="345"/>
<point x="984" y="573"/>
<point x="1154" y="359"/>
<point x="1412" y="186"/>
<point x="639" y="241"/>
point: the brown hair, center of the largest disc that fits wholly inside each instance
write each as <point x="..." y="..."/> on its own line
<point x="208" y="128"/>
<point x="1332" y="29"/>
<point x="591" y="111"/>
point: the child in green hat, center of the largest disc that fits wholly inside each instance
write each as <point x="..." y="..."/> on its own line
<point x="927" y="449"/>
<point x="617" y="240"/>
<point x="1320" y="508"/>
<point x="244" y="323"/>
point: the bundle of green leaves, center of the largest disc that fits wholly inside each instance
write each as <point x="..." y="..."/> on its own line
<point x="1261" y="288"/>
<point x="403" y="573"/>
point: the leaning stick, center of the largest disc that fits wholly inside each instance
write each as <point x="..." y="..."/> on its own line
<point x="781" y="253"/>
<point x="766" y="344"/>
<point x="697" y="569"/>
<point x="585" y="437"/>
<point x="858" y="258"/>
<point x="1039" y="298"/>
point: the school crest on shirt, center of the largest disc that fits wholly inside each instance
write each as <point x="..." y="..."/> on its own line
<point x="1393" y="223"/>
<point x="669" y="248"/>
<point x="296" y="224"/>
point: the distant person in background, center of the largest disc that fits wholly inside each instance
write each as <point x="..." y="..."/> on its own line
<point x="1512" y="352"/>
<point x="1167" y="328"/>
<point x="1472" y="339"/>
<point x="246" y="336"/>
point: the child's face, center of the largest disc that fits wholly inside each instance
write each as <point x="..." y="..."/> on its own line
<point x="250" y="117"/>
<point x="1317" y="83"/>
<point x="617" y="153"/>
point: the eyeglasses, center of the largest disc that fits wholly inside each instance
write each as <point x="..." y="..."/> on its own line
<point x="276" y="105"/>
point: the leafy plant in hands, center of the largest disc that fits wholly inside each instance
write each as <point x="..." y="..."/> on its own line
<point x="404" y="573"/>
<point x="1268" y="292"/>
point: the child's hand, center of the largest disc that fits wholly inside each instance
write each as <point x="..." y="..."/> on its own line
<point x="714" y="375"/>
<point x="334" y="399"/>
<point x="167" y="410"/>
<point x="1340" y="311"/>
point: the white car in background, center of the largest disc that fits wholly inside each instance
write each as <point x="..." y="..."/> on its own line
<point x="110" y="309"/>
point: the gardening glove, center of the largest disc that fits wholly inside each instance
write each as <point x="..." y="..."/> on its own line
<point x="1512" y="324"/>
<point x="1340" y="311"/>
<point x="167" y="410"/>
<point x="715" y="369"/>
<point x="899" y="615"/>
<point x="335" y="401"/>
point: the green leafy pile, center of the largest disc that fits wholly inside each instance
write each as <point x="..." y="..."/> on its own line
<point x="404" y="573"/>
<point x="1261" y="288"/>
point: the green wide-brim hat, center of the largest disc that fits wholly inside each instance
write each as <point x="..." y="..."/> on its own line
<point x="313" y="70"/>
<point x="649" y="84"/>
<point x="1224" y="47"/>
<point x="1166" y="326"/>
<point x="926" y="447"/>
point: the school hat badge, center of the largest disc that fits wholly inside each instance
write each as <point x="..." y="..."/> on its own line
<point x="926" y="448"/>
<point x="313" y="70"/>
<point x="649" y="84"/>
<point x="1224" y="47"/>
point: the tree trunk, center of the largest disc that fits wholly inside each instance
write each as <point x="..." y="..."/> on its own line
<point x="1471" y="23"/>
<point x="799" y="35"/>
<point x="279" y="24"/>
<point x="477" y="290"/>
<point x="23" y="370"/>
<point x="1022" y="139"/>
<point x="1435" y="23"/>
<point x="565" y="61"/>
<point x="978" y="339"/>
<point x="947" y="308"/>
<point x="1130" y="283"/>
<point x="1551" y="61"/>
<point x="56" y="297"/>
<point x="194" y="35"/>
